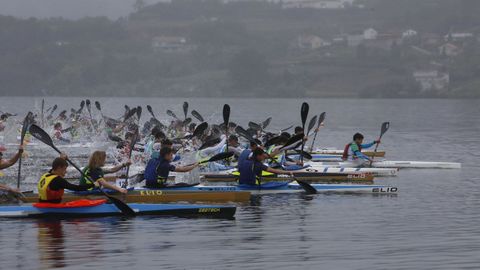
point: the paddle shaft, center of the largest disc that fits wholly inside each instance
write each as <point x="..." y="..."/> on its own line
<point x="376" y="148"/>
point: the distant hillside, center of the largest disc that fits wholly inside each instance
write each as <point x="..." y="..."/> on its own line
<point x="69" y="9"/>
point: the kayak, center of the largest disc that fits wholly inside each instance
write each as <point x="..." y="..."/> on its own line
<point x="105" y="209"/>
<point x="329" y="168"/>
<point x="397" y="164"/>
<point x="285" y="187"/>
<point x="340" y="152"/>
<point x="144" y="195"/>
<point x="305" y="175"/>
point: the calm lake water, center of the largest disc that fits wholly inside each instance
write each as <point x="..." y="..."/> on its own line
<point x="433" y="223"/>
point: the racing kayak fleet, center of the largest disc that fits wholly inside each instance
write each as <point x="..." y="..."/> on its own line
<point x="326" y="172"/>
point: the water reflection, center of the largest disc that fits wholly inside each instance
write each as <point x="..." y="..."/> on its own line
<point x="51" y="244"/>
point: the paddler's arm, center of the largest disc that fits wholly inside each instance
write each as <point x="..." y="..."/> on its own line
<point x="60" y="183"/>
<point x="7" y="188"/>
<point x="13" y="160"/>
<point x="272" y="170"/>
<point x="105" y="184"/>
<point x="118" y="167"/>
<point x="185" y="168"/>
<point x="368" y="145"/>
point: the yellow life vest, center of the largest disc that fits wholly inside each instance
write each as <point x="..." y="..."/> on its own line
<point x="44" y="191"/>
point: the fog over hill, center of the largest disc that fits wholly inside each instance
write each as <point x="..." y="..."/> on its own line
<point x="70" y="9"/>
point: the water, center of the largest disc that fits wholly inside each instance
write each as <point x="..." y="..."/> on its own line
<point x="433" y="223"/>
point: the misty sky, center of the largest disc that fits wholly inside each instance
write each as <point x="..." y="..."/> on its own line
<point x="72" y="9"/>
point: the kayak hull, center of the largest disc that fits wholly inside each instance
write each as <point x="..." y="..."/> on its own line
<point x="143" y="195"/>
<point x="294" y="188"/>
<point x="304" y="175"/>
<point x="180" y="210"/>
<point x="328" y="168"/>
<point x="340" y="152"/>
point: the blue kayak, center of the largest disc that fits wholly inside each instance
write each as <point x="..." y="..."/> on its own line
<point x="106" y="209"/>
<point x="286" y="187"/>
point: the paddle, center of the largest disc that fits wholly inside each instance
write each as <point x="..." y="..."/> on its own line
<point x="309" y="189"/>
<point x="197" y="116"/>
<point x="139" y="114"/>
<point x="217" y="157"/>
<point x="304" y="154"/>
<point x="129" y="114"/>
<point x="26" y="123"/>
<point x="170" y="113"/>
<point x="132" y="146"/>
<point x="266" y="123"/>
<point x="294" y="139"/>
<point x="311" y="125"/>
<point x="41" y="113"/>
<point x="304" y="115"/>
<point x="42" y="136"/>
<point x="242" y="132"/>
<point x="82" y="104"/>
<point x="150" y="110"/>
<point x="187" y="121"/>
<point x="285" y="129"/>
<point x="321" y="118"/>
<point x="185" y="109"/>
<point x="385" y="127"/>
<point x="254" y="126"/>
<point x="226" y="119"/>
<point x="209" y="143"/>
<point x="200" y="130"/>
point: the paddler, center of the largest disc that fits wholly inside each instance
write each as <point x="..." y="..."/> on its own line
<point x="58" y="133"/>
<point x="252" y="168"/>
<point x="158" y="169"/>
<point x="8" y="163"/>
<point x="353" y="150"/>
<point x="52" y="184"/>
<point x="95" y="172"/>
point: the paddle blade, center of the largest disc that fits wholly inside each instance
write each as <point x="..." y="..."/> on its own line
<point x="311" y="125"/>
<point x="187" y="121"/>
<point x="123" y="207"/>
<point x="254" y="126"/>
<point x="266" y="123"/>
<point x="304" y="113"/>
<point x="197" y="116"/>
<point x="309" y="189"/>
<point x="40" y="134"/>
<point x="221" y="156"/>
<point x="209" y="143"/>
<point x="170" y="113"/>
<point x="26" y="124"/>
<point x="242" y="132"/>
<point x="150" y="110"/>
<point x="185" y="109"/>
<point x="304" y="154"/>
<point x="139" y="112"/>
<point x="285" y="129"/>
<point x="87" y="102"/>
<point x="385" y="127"/>
<point x="293" y="140"/>
<point x="53" y="109"/>
<point x="97" y="104"/>
<point x="200" y="130"/>
<point x="321" y="119"/>
<point x="130" y="114"/>
<point x="226" y="114"/>
<point x="273" y="141"/>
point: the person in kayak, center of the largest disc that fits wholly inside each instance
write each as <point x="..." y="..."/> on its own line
<point x="252" y="168"/>
<point x="158" y="169"/>
<point x="95" y="172"/>
<point x="52" y="184"/>
<point x="247" y="153"/>
<point x="58" y="133"/>
<point x="8" y="163"/>
<point x="353" y="150"/>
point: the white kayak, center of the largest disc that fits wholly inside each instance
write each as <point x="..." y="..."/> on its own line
<point x="393" y="164"/>
<point x="319" y="167"/>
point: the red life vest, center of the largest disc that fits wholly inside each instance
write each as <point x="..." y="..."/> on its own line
<point x="347" y="147"/>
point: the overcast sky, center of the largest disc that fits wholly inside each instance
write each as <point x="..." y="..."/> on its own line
<point x="72" y="9"/>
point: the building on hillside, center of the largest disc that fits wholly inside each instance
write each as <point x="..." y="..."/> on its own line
<point x="370" y="33"/>
<point x="431" y="40"/>
<point x="449" y="49"/>
<point x="171" y="44"/>
<point x="450" y="37"/>
<point x="432" y="80"/>
<point x="311" y="42"/>
<point x="409" y="33"/>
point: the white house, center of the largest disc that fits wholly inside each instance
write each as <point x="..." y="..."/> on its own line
<point x="432" y="80"/>
<point x="311" y="42"/>
<point x="170" y="44"/>
<point x="409" y="33"/>
<point x="449" y="49"/>
<point x="457" y="36"/>
<point x="370" y="33"/>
